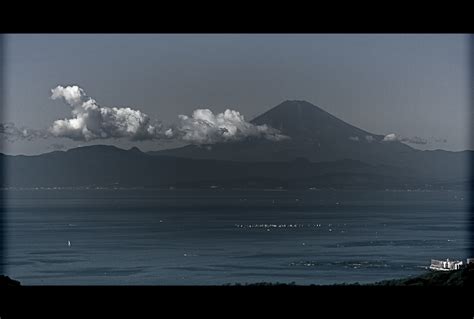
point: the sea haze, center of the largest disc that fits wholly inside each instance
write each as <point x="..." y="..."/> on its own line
<point x="219" y="236"/>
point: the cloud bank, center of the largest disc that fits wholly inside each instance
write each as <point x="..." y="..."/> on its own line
<point x="11" y="133"/>
<point x="205" y="127"/>
<point x="90" y="121"/>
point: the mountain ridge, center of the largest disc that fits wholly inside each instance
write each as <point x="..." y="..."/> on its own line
<point x="112" y="166"/>
<point x="322" y="150"/>
<point x="319" y="136"/>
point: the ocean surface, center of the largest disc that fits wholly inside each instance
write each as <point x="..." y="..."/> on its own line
<point x="215" y="236"/>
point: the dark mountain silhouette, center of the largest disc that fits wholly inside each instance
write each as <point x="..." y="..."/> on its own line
<point x="109" y="166"/>
<point x="320" y="137"/>
<point x="113" y="167"/>
<point x="322" y="151"/>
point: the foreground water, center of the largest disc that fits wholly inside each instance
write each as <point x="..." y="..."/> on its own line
<point x="206" y="237"/>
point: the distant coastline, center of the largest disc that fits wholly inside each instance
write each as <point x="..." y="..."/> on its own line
<point x="174" y="188"/>
<point x="457" y="278"/>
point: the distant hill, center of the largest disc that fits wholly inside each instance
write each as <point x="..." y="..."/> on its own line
<point x="457" y="278"/>
<point x="111" y="166"/>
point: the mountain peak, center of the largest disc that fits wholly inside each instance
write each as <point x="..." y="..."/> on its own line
<point x="292" y="104"/>
<point x="296" y="110"/>
<point x="301" y="119"/>
<point x="135" y="150"/>
<point x="296" y="102"/>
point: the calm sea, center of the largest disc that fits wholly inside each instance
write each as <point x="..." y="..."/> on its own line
<point x="214" y="236"/>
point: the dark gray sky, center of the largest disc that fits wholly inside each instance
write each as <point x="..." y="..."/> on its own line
<point x="411" y="85"/>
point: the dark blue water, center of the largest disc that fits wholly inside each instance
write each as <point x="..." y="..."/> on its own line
<point x="201" y="237"/>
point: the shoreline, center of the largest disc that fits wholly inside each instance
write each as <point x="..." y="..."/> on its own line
<point x="456" y="278"/>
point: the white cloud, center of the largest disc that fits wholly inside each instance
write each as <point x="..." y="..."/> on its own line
<point x="369" y="138"/>
<point x="392" y="137"/>
<point x="354" y="138"/>
<point x="73" y="95"/>
<point x="205" y="127"/>
<point x="169" y="132"/>
<point x="411" y="140"/>
<point x="90" y="121"/>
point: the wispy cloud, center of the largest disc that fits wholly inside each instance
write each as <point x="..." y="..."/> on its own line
<point x="57" y="147"/>
<point x="415" y="140"/>
<point x="366" y="138"/>
<point x="369" y="138"/>
<point x="11" y="133"/>
<point x="411" y="140"/>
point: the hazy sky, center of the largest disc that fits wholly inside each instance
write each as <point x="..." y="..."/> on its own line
<point x="411" y="85"/>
